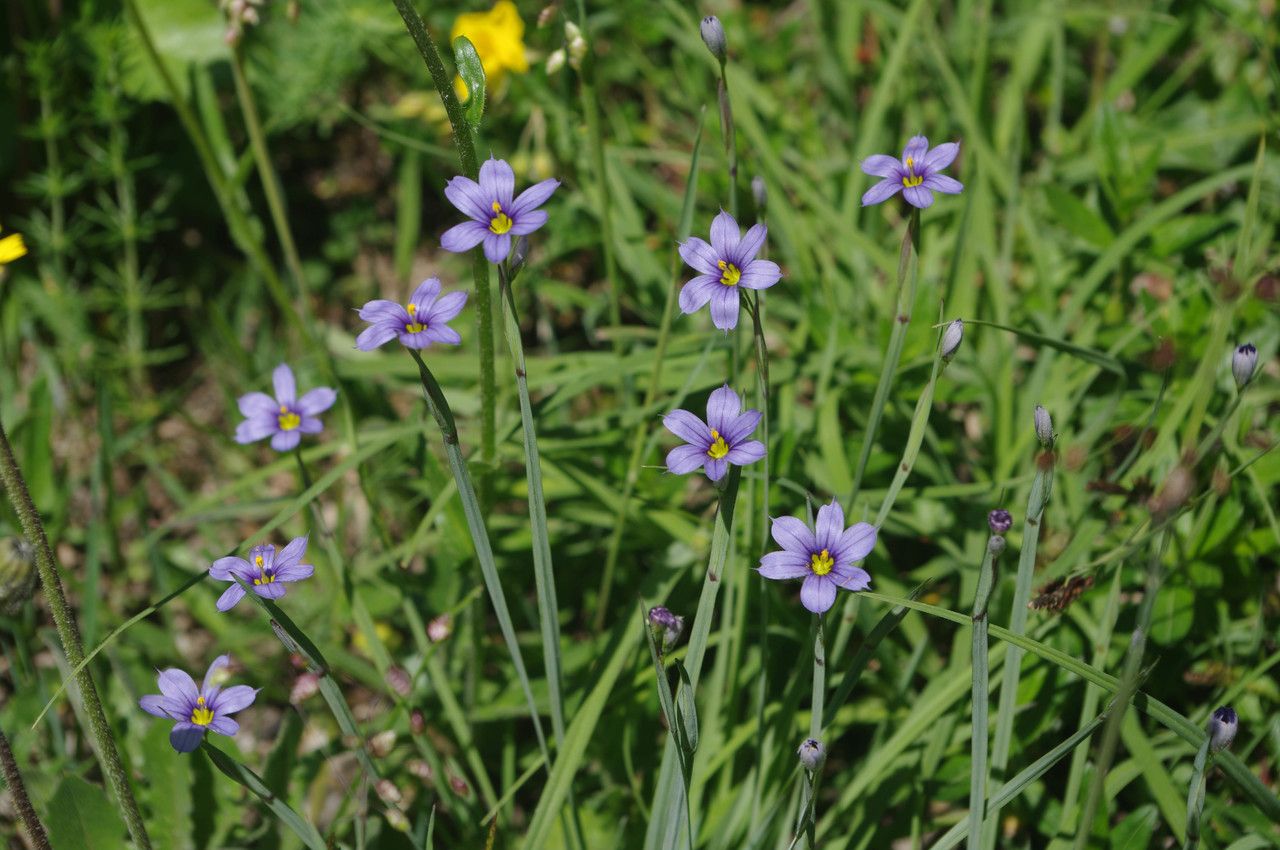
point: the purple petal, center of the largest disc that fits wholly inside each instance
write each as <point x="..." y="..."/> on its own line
<point x="880" y="165"/>
<point x="918" y="196"/>
<point x="224" y="568"/>
<point x="793" y="535"/>
<point x="291" y="554"/>
<point x="257" y="404"/>
<point x="286" y="389"/>
<point x="224" y="726"/>
<point x="722" y="408"/>
<point x="940" y="157"/>
<point x="464" y="237"/>
<point x="725" y="235"/>
<point x="818" y="593"/>
<point x="527" y="222"/>
<point x="498" y="181"/>
<point x="533" y="197"/>
<point x="944" y="184"/>
<point x="381" y="309"/>
<point x="685" y="459"/>
<point x="724" y="307"/>
<point x="295" y="572"/>
<point x="257" y="428"/>
<point x="424" y="296"/>
<point x="688" y="427"/>
<point x="230" y="597"/>
<point x="446" y="307"/>
<point x="310" y="425"/>
<point x="497" y="246"/>
<point x="465" y="194"/>
<point x="915" y="150"/>
<point x="270" y="590"/>
<point x="882" y="191"/>
<point x="316" y="401"/>
<point x="156" y="706"/>
<point x="715" y="467"/>
<point x="268" y="554"/>
<point x="852" y="578"/>
<point x="742" y="425"/>
<point x="745" y="453"/>
<point x="760" y="274"/>
<point x="695" y="294"/>
<point x="423" y="339"/>
<point x="233" y="699"/>
<point x="751" y="242"/>
<point x="701" y="256"/>
<point x="285" y="441"/>
<point x="185" y="737"/>
<point x="178" y="686"/>
<point x="855" y="543"/>
<point x="830" y="525"/>
<point x="374" y="336"/>
<point x="784" y="565"/>
<point x="218" y="663"/>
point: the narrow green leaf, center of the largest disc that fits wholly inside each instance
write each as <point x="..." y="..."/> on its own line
<point x="687" y="711"/>
<point x="237" y="772"/>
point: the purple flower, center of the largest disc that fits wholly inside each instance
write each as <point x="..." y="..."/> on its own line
<point x="265" y="570"/>
<point x="196" y="710"/>
<point x="726" y="264"/>
<point x="286" y="417"/>
<point x="916" y="175"/>
<point x="418" y="323"/>
<point x="719" y="441"/>
<point x="495" y="217"/>
<point x="824" y="557"/>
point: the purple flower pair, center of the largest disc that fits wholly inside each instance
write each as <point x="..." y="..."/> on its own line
<point x="718" y="442"/>
<point x="495" y="215"/>
<point x="724" y="265"/>
<point x="416" y="324"/>
<point x="916" y="176"/>
<point x="824" y="556"/>
<point x="286" y="417"/>
<point x="197" y="710"/>
<point x="266" y="571"/>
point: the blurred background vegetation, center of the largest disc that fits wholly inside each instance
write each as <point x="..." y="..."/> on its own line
<point x="1109" y="152"/>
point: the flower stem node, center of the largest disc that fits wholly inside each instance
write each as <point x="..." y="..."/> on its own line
<point x="812" y="755"/>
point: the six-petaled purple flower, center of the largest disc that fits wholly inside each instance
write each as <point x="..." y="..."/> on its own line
<point x="495" y="217"/>
<point x="916" y="175"/>
<point x="824" y="557"/>
<point x="718" y="442"/>
<point x="417" y="324"/>
<point x="267" y="571"/>
<point x="728" y="263"/>
<point x="286" y="417"/>
<point x="197" y="709"/>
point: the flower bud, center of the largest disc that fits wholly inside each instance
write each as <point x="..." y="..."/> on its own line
<point x="304" y="687"/>
<point x="1222" y="728"/>
<point x="713" y="37"/>
<point x="951" y="338"/>
<point x="383" y="743"/>
<point x="17" y="574"/>
<point x="1044" y="426"/>
<point x="999" y="521"/>
<point x="1243" y="362"/>
<point x="440" y="628"/>
<point x="555" y="61"/>
<point x="995" y="544"/>
<point x="759" y="192"/>
<point x="812" y="754"/>
<point x="666" y="627"/>
<point x="398" y="680"/>
<point x="388" y="791"/>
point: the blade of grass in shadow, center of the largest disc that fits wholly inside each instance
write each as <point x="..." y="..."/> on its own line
<point x="237" y="772"/>
<point x="980" y="659"/>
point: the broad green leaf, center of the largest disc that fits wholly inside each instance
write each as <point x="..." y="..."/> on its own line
<point x="1173" y="614"/>
<point x="81" y="816"/>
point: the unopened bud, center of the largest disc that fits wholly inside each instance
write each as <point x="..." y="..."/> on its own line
<point x="760" y="193"/>
<point x="666" y="627"/>
<point x="812" y="754"/>
<point x="1044" y="426"/>
<point x="995" y="544"/>
<point x="555" y="61"/>
<point x="1243" y="362"/>
<point x="999" y="521"/>
<point x="388" y="791"/>
<point x="304" y="687"/>
<point x="17" y="574"/>
<point x="1174" y="492"/>
<point x="1222" y="728"/>
<point x="417" y="722"/>
<point x="951" y="338"/>
<point x="397" y="819"/>
<point x="382" y="743"/>
<point x="440" y="628"/>
<point x="459" y="786"/>
<point x="713" y="37"/>
<point x="398" y="680"/>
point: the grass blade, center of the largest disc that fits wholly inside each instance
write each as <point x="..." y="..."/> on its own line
<point x="237" y="772"/>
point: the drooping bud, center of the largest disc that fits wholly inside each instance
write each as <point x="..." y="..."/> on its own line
<point x="760" y="193"/>
<point x="666" y="627"/>
<point x="713" y="37"/>
<point x="17" y="574"/>
<point x="999" y="521"/>
<point x="951" y="338"/>
<point x="812" y="754"/>
<point x="1044" y="426"/>
<point x="1222" y="728"/>
<point x="1243" y="362"/>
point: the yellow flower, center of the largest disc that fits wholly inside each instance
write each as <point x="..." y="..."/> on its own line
<point x="11" y="248"/>
<point x="498" y="36"/>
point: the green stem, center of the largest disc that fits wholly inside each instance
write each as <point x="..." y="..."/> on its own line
<point x="981" y="675"/>
<point x="1195" y="798"/>
<point x="730" y="137"/>
<point x="237" y="772"/>
<point x="464" y="142"/>
<point x="26" y="811"/>
<point x="64" y="620"/>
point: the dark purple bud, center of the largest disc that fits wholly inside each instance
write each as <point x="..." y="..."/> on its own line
<point x="1222" y="728"/>
<point x="666" y="627"/>
<point x="1000" y="521"/>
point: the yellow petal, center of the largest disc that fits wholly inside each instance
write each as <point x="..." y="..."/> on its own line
<point x="11" y="248"/>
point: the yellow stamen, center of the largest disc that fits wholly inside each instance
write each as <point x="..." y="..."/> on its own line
<point x="729" y="273"/>
<point x="501" y="222"/>
<point x="912" y="180"/>
<point x="719" y="448"/>
<point x="821" y="562"/>
<point x="201" y="715"/>
<point x="257" y="560"/>
<point x="414" y="327"/>
<point x="288" y="420"/>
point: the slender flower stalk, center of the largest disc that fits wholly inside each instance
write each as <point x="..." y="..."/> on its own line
<point x="1222" y="731"/>
<point x="998" y="521"/>
<point x="69" y="635"/>
<point x="18" y="790"/>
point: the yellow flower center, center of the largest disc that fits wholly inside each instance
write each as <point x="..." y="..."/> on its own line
<point x="719" y="448"/>
<point x="911" y="179"/>
<point x="821" y="562"/>
<point x="501" y="222"/>
<point x="288" y="420"/>
<point x="264" y="576"/>
<point x="201" y="715"/>
<point x="729" y="273"/>
<point x="414" y="326"/>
